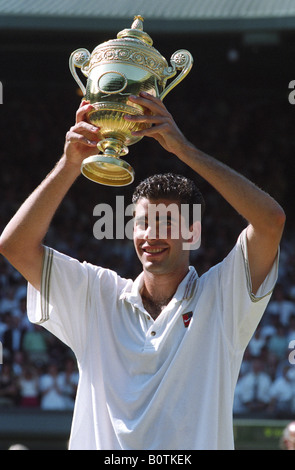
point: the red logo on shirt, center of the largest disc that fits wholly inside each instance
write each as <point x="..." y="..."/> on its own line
<point x="187" y="318"/>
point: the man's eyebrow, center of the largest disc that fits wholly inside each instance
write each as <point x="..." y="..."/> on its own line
<point x="139" y="218"/>
<point x="167" y="217"/>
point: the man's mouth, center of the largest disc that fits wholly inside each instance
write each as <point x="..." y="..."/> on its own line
<point x="153" y="250"/>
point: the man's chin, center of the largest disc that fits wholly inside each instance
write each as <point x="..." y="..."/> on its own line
<point x="154" y="267"/>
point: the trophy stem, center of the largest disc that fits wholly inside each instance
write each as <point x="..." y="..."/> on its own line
<point x="112" y="147"/>
<point x="107" y="168"/>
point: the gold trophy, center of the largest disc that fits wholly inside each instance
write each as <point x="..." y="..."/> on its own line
<point x="115" y="70"/>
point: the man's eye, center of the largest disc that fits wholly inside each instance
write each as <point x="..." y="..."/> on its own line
<point x="141" y="223"/>
<point x="166" y="222"/>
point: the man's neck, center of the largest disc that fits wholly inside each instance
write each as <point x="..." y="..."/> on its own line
<point x="158" y="290"/>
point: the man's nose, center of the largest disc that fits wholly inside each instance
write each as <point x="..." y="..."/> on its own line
<point x="151" y="232"/>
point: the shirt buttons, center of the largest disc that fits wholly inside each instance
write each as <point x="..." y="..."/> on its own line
<point x="153" y="333"/>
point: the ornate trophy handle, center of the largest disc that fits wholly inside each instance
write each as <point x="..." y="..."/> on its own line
<point x="180" y="60"/>
<point x="79" y="58"/>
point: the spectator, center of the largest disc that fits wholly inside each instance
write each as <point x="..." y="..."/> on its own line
<point x="238" y="406"/>
<point x="28" y="387"/>
<point x="35" y="346"/>
<point x="13" y="337"/>
<point x="21" y="312"/>
<point x="269" y="325"/>
<point x="68" y="382"/>
<point x="281" y="394"/>
<point x="291" y="377"/>
<point x="254" y="388"/>
<point x="278" y="343"/>
<point x="8" y="389"/>
<point x="281" y="305"/>
<point x="4" y="324"/>
<point x="8" y="302"/>
<point x="291" y="329"/>
<point x="52" y="395"/>
<point x="19" y="360"/>
<point x="256" y="343"/>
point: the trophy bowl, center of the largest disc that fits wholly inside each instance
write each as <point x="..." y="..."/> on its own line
<point x="115" y="70"/>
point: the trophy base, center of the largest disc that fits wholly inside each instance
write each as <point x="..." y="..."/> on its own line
<point x="106" y="170"/>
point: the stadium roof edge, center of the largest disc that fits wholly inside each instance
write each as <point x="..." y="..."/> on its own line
<point x="237" y="25"/>
<point x="192" y="16"/>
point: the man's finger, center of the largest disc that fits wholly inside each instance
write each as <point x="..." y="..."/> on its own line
<point x="74" y="138"/>
<point x="151" y="131"/>
<point x="152" y="103"/>
<point x="147" y="118"/>
<point x="81" y="114"/>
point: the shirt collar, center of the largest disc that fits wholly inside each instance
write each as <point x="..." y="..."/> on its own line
<point x="184" y="291"/>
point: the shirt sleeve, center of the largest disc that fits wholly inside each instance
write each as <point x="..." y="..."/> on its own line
<point x="65" y="302"/>
<point x="241" y="309"/>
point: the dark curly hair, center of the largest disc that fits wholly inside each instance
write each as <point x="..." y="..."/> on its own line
<point x="170" y="186"/>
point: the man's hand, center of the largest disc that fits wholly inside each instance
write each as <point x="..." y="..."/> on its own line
<point x="163" y="127"/>
<point x="82" y="138"/>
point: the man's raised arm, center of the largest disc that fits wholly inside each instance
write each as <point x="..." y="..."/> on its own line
<point x="265" y="216"/>
<point x="21" y="240"/>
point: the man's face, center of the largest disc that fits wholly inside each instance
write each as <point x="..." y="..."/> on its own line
<point x="158" y="236"/>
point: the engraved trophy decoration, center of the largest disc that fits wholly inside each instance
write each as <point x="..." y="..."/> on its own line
<point x="115" y="70"/>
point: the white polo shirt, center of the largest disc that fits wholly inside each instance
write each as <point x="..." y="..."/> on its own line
<point x="144" y="384"/>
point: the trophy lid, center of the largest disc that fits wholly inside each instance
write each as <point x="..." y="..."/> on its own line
<point x="132" y="46"/>
<point x="136" y="31"/>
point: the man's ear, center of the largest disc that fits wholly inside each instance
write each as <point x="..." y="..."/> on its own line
<point x="194" y="242"/>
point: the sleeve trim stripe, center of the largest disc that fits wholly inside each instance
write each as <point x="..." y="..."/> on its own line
<point x="45" y="284"/>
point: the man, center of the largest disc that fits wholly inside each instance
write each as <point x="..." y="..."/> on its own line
<point x="255" y="388"/>
<point x="158" y="357"/>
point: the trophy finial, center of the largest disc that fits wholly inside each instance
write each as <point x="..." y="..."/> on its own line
<point x="136" y="31"/>
<point x="138" y="22"/>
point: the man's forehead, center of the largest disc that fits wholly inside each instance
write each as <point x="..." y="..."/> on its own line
<point x="145" y="204"/>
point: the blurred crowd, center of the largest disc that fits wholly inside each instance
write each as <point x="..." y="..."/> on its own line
<point x="244" y="132"/>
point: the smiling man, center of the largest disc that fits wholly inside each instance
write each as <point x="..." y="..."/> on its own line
<point x="161" y="231"/>
<point x="158" y="357"/>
